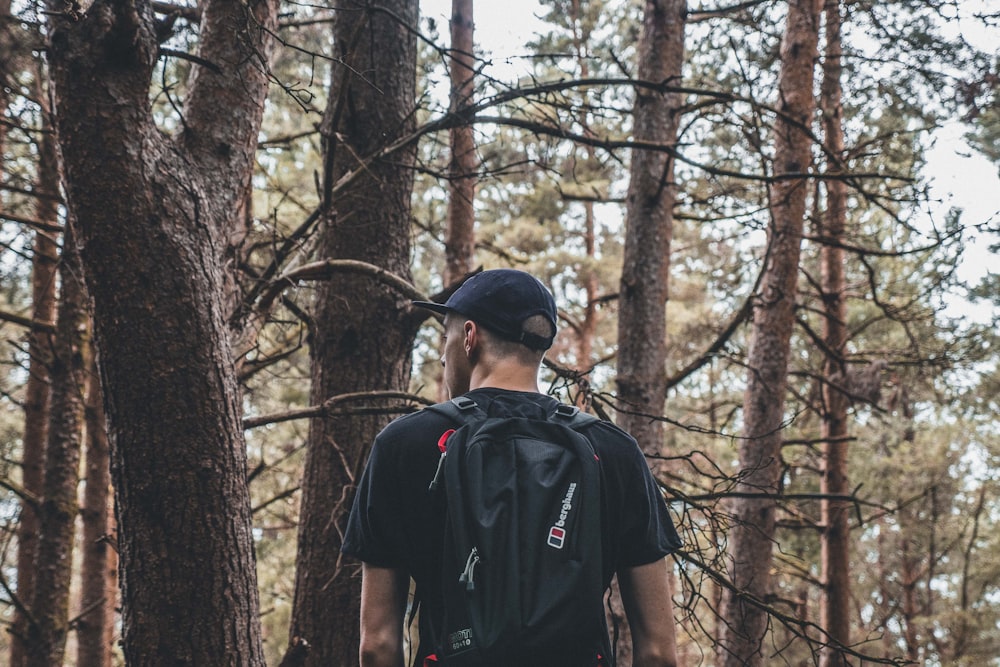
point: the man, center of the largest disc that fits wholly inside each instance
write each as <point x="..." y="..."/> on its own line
<point x="498" y="325"/>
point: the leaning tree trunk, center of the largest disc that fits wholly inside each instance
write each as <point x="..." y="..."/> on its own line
<point x="98" y="578"/>
<point x="652" y="193"/>
<point x="49" y="625"/>
<point x="36" y="392"/>
<point x="154" y="215"/>
<point x="835" y="617"/>
<point x="460" y="237"/>
<point x="744" y="623"/>
<point x="364" y="329"/>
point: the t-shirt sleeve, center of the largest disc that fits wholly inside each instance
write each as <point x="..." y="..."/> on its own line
<point x="372" y="534"/>
<point x="648" y="532"/>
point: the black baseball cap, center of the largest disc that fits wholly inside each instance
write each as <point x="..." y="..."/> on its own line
<point x="501" y="300"/>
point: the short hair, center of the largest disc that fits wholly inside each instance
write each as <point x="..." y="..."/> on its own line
<point x="502" y="347"/>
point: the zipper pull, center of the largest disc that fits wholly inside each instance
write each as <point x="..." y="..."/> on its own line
<point x="443" y="446"/>
<point x="468" y="576"/>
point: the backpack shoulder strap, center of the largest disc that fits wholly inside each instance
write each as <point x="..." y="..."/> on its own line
<point x="572" y="417"/>
<point x="461" y="409"/>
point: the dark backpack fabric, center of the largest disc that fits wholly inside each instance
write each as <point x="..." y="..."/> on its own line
<point x="522" y="568"/>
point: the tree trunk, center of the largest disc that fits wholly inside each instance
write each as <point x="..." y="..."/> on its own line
<point x="46" y="639"/>
<point x="649" y="223"/>
<point x="835" y="618"/>
<point x="154" y="215"/>
<point x="7" y="43"/>
<point x="37" y="389"/>
<point x="99" y="581"/>
<point x="741" y="636"/>
<point x="460" y="238"/>
<point x="364" y="330"/>
<point x="588" y="324"/>
<point x="652" y="193"/>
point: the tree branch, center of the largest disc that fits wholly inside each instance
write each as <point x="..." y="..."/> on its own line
<point x="327" y="406"/>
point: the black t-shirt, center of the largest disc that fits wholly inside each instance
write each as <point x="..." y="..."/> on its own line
<point x="397" y="523"/>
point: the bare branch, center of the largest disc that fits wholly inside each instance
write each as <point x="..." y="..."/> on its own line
<point x="327" y="406"/>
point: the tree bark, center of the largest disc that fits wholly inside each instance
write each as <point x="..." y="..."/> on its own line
<point x="154" y="215"/>
<point x="460" y="237"/>
<point x="741" y="635"/>
<point x="98" y="576"/>
<point x="649" y="223"/>
<point x="588" y="324"/>
<point x="364" y="330"/>
<point x="6" y="55"/>
<point x="650" y="202"/>
<point x="835" y="616"/>
<point x="46" y="638"/>
<point x="37" y="389"/>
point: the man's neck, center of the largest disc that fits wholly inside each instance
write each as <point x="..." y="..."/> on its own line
<point x="515" y="378"/>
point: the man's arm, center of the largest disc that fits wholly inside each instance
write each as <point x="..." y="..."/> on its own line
<point x="383" y="606"/>
<point x="646" y="594"/>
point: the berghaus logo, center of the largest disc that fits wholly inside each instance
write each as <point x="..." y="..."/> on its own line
<point x="557" y="533"/>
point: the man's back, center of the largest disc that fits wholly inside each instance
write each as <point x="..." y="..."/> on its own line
<point x="399" y="523"/>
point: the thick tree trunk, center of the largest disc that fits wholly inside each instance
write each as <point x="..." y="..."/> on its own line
<point x="154" y="216"/>
<point x="364" y="331"/>
<point x="98" y="576"/>
<point x="649" y="224"/>
<point x="741" y="636"/>
<point x="46" y="639"/>
<point x="460" y="237"/>
<point x="652" y="193"/>
<point x="835" y="617"/>
<point x="36" y="392"/>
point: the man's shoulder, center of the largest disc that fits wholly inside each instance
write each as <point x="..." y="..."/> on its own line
<point x="425" y="422"/>
<point x="608" y="433"/>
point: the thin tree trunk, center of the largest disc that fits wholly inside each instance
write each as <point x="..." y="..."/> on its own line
<point x="37" y="389"/>
<point x="460" y="238"/>
<point x="154" y="216"/>
<point x="652" y="193"/>
<point x="46" y="644"/>
<point x="835" y="618"/>
<point x="6" y="56"/>
<point x="588" y="324"/>
<point x="741" y="636"/>
<point x="99" y="581"/>
<point x="364" y="330"/>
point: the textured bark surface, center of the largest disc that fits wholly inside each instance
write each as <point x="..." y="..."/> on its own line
<point x="364" y="330"/>
<point x="645" y="282"/>
<point x="649" y="223"/>
<point x="46" y="637"/>
<point x="98" y="576"/>
<point x="36" y="392"/>
<point x="741" y="633"/>
<point x="154" y="217"/>
<point x="836" y="609"/>
<point x="460" y="237"/>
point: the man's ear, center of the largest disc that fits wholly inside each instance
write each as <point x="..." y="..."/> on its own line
<point x="471" y="334"/>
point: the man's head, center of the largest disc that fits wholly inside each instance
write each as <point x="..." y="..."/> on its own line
<point x="502" y="316"/>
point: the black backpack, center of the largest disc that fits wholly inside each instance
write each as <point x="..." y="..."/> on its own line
<point x="522" y="565"/>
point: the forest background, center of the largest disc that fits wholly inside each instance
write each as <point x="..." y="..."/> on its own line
<point x="214" y="216"/>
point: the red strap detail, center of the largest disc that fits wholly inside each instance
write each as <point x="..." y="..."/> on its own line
<point x="432" y="658"/>
<point x="442" y="445"/>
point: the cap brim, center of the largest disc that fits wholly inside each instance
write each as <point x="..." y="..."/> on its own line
<point x="430" y="305"/>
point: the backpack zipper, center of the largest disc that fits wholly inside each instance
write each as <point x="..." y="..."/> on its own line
<point x="468" y="576"/>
